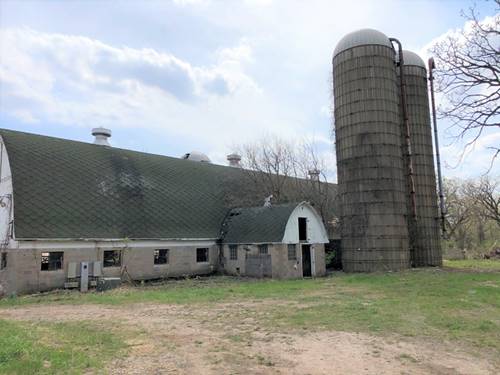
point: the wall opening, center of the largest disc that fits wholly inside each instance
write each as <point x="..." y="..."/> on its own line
<point x="302" y="229"/>
<point x="161" y="256"/>
<point x="292" y="251"/>
<point x="233" y="252"/>
<point x="52" y="261"/>
<point x="3" y="261"/>
<point x="112" y="258"/>
<point x="263" y="248"/>
<point x="306" y="261"/>
<point x="202" y="254"/>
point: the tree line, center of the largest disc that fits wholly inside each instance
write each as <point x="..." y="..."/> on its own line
<point x="472" y="217"/>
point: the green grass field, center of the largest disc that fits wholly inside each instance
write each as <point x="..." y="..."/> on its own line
<point x="474" y="264"/>
<point x="56" y="348"/>
<point x="461" y="305"/>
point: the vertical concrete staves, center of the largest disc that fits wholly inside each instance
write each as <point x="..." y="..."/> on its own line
<point x="426" y="241"/>
<point x="370" y="164"/>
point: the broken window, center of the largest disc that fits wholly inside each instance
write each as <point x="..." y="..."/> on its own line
<point x="202" y="254"/>
<point x="233" y="252"/>
<point x="112" y="258"/>
<point x="3" y="261"/>
<point x="302" y="229"/>
<point x="161" y="256"/>
<point x="52" y="261"/>
<point x="292" y="251"/>
<point x="263" y="248"/>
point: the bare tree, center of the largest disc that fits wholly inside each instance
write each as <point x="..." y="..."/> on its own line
<point x="486" y="196"/>
<point x="458" y="212"/>
<point x="290" y="172"/>
<point x="268" y="163"/>
<point x="468" y="74"/>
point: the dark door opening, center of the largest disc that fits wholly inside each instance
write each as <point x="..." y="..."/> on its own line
<point x="306" y="261"/>
<point x="302" y="229"/>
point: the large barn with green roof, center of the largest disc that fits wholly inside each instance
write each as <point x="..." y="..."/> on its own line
<point x="73" y="214"/>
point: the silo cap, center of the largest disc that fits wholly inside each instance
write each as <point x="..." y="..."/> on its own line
<point x="411" y="58"/>
<point x="360" y="38"/>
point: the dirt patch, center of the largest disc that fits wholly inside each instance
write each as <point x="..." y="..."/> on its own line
<point x="227" y="339"/>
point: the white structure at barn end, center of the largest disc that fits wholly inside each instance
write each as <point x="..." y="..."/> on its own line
<point x="72" y="210"/>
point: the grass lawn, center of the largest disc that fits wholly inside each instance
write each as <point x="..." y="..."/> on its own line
<point x="474" y="264"/>
<point x="436" y="304"/>
<point x="62" y="348"/>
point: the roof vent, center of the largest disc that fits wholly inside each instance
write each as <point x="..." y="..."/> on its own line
<point x="234" y="160"/>
<point x="101" y="136"/>
<point x="196" y="156"/>
<point x="314" y="174"/>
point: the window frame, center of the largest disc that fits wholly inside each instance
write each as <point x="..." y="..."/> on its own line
<point x="158" y="257"/>
<point x="233" y="252"/>
<point x="263" y="249"/>
<point x="115" y="264"/>
<point x="51" y="261"/>
<point x="206" y="256"/>
<point x="289" y="248"/>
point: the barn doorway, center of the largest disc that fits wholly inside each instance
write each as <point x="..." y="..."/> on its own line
<point x="306" y="261"/>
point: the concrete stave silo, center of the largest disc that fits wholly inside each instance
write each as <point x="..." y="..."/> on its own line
<point x="425" y="235"/>
<point x="370" y="165"/>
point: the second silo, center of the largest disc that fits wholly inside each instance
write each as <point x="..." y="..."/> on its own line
<point x="426" y="249"/>
<point x="370" y="166"/>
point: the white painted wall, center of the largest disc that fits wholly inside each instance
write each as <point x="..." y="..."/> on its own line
<point x="316" y="232"/>
<point x="6" y="197"/>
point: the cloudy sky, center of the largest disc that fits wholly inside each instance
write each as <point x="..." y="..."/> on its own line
<point x="169" y="77"/>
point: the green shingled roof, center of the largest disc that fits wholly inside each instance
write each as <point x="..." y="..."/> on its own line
<point x="68" y="189"/>
<point x="257" y="224"/>
<point x="74" y="190"/>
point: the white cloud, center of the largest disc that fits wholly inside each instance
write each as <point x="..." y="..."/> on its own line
<point x="78" y="81"/>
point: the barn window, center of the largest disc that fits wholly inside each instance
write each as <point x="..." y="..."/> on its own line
<point x="263" y="248"/>
<point x="292" y="251"/>
<point x="112" y="258"/>
<point x="52" y="261"/>
<point x="3" y="262"/>
<point x="202" y="254"/>
<point x="233" y="252"/>
<point x="302" y="229"/>
<point x="161" y="256"/>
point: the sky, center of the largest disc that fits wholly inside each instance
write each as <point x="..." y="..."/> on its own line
<point x="169" y="77"/>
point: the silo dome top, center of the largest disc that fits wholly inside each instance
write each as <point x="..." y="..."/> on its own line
<point x="196" y="156"/>
<point x="411" y="58"/>
<point x="360" y="38"/>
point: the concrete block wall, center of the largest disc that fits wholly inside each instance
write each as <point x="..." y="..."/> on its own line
<point x="282" y="268"/>
<point x="23" y="274"/>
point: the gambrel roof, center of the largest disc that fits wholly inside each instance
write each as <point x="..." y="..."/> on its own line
<point x="68" y="189"/>
<point x="65" y="189"/>
<point x="257" y="224"/>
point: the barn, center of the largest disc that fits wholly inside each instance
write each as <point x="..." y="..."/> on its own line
<point x="75" y="212"/>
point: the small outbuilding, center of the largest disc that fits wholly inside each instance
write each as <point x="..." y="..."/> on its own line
<point x="279" y="241"/>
